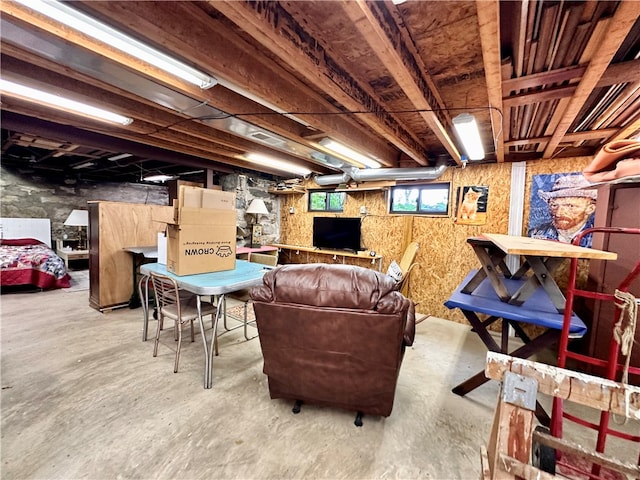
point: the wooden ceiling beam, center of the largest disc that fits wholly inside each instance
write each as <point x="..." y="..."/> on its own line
<point x="608" y="44"/>
<point x="546" y="95"/>
<point x="489" y="23"/>
<point x="536" y="80"/>
<point x="616" y="73"/>
<point x="379" y="30"/>
<point x="622" y="72"/>
<point x="568" y="138"/>
<point x="277" y="31"/>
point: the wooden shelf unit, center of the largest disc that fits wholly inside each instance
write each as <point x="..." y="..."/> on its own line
<point x="333" y="253"/>
<point x="288" y="191"/>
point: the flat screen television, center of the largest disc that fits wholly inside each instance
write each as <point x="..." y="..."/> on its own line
<point x="339" y="233"/>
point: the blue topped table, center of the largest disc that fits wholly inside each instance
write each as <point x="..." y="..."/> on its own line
<point x="245" y="275"/>
<point x="538" y="309"/>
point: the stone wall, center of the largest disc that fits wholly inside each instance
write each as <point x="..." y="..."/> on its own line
<point x="247" y="188"/>
<point x="29" y="196"/>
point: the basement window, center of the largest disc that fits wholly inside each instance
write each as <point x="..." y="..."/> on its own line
<point x="326" y="201"/>
<point x="429" y="199"/>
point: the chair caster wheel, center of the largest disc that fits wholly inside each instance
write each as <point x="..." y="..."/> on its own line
<point x="296" y="407"/>
<point x="358" y="421"/>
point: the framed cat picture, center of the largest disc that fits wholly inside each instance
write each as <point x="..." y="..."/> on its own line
<point x="471" y="205"/>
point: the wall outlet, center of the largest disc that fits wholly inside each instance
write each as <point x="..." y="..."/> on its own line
<point x="292" y="210"/>
<point x="363" y="210"/>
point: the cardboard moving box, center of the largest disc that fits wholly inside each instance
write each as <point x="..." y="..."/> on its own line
<point x="201" y="239"/>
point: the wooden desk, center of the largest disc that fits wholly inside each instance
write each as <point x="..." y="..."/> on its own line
<point x="139" y="256"/>
<point x="542" y="257"/>
<point x="334" y="253"/>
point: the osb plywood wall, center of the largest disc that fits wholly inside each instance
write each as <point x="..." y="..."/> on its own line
<point x="444" y="257"/>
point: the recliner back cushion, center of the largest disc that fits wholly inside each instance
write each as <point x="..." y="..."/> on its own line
<point x="322" y="285"/>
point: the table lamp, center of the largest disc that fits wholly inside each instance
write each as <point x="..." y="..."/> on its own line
<point x="257" y="207"/>
<point x="79" y="218"/>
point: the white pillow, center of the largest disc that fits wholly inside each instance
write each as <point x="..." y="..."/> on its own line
<point x="394" y="271"/>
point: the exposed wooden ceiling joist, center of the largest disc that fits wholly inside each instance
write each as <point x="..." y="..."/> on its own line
<point x="384" y="79"/>
<point x="608" y="42"/>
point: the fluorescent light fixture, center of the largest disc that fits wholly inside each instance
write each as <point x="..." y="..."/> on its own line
<point x="41" y="97"/>
<point x="120" y="157"/>
<point x="83" y="165"/>
<point x="277" y="164"/>
<point x="468" y="133"/>
<point x="158" y="178"/>
<point x="102" y="32"/>
<point x="349" y="153"/>
<point x="398" y="2"/>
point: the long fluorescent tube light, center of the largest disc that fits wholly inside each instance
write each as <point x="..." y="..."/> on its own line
<point x="120" y="157"/>
<point x="102" y="32"/>
<point x="83" y="165"/>
<point x="341" y="149"/>
<point x="277" y="164"/>
<point x="468" y="133"/>
<point x="55" y="101"/>
<point x="158" y="178"/>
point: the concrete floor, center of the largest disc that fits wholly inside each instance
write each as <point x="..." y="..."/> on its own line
<point x="82" y="397"/>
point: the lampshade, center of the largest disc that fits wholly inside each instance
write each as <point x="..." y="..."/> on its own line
<point x="257" y="206"/>
<point x="78" y="218"/>
<point x="467" y="130"/>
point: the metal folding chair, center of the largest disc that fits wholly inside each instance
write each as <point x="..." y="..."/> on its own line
<point x="243" y="295"/>
<point x="176" y="305"/>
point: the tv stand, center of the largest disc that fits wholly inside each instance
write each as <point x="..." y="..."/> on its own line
<point x="376" y="260"/>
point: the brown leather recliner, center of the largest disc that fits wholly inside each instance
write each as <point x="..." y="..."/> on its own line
<point x="333" y="335"/>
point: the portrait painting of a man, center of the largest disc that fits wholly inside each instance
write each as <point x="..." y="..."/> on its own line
<point x="561" y="208"/>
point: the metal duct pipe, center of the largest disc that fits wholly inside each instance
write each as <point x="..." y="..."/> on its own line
<point x="371" y="174"/>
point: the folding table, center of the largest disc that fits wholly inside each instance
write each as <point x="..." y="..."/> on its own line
<point x="245" y="275"/>
<point x="541" y="257"/>
<point x="537" y="310"/>
<point x="530" y="295"/>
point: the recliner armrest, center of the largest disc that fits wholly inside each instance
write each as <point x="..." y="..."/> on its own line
<point x="410" y="325"/>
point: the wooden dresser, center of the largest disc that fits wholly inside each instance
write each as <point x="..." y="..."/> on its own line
<point x="112" y="227"/>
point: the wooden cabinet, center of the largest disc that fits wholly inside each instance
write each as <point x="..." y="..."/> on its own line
<point x="617" y="206"/>
<point x="114" y="226"/>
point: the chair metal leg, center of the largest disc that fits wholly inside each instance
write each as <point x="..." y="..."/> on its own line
<point x="246" y="308"/>
<point x="144" y="300"/>
<point x="224" y="311"/>
<point x="157" y="340"/>
<point x="179" y="326"/>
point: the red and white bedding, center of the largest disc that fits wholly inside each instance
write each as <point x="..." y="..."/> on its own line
<point x="27" y="261"/>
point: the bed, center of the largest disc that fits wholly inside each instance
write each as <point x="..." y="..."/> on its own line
<point x="25" y="260"/>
